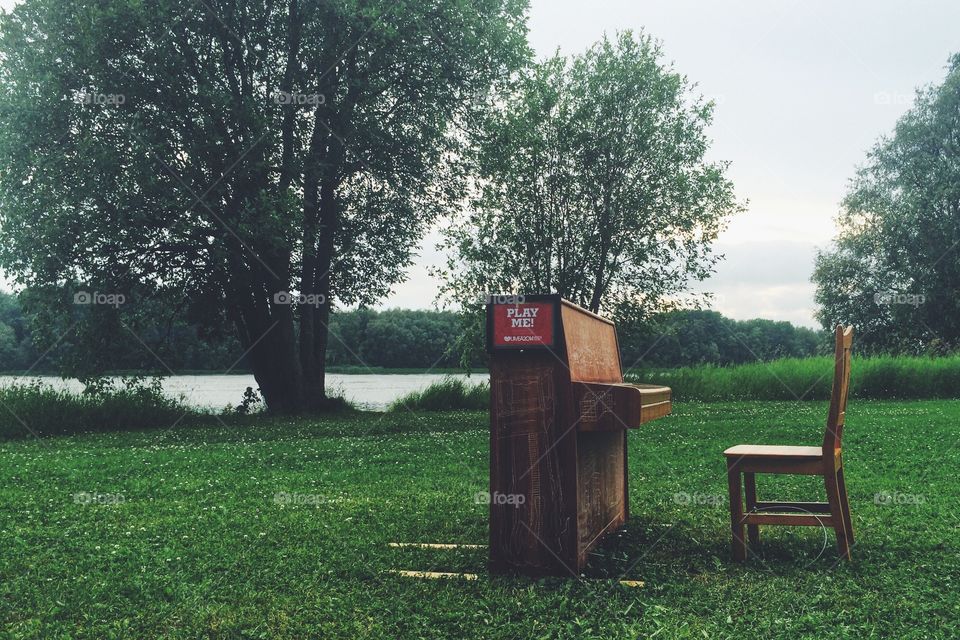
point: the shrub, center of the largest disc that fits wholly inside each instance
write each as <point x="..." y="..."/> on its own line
<point x="36" y="409"/>
<point x="450" y="394"/>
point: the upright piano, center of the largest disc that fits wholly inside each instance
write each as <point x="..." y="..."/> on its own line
<point x="559" y="414"/>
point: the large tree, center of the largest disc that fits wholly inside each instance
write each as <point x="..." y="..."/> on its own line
<point x="233" y="151"/>
<point x="894" y="268"/>
<point x="592" y="182"/>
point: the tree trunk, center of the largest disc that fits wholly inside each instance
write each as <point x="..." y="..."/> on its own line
<point x="325" y="253"/>
<point x="270" y="344"/>
<point x="315" y="320"/>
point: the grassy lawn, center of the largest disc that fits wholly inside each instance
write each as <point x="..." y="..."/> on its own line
<point x="183" y="534"/>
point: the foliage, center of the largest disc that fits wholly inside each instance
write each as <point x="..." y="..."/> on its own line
<point x="893" y="270"/>
<point x="251" y="162"/>
<point x="368" y="341"/>
<point x="162" y="343"/>
<point x="280" y="530"/>
<point x="249" y="403"/>
<point x="592" y="183"/>
<point x="691" y="337"/>
<point x="16" y="347"/>
<point x="396" y="338"/>
<point x="450" y="394"/>
<point x="32" y="409"/>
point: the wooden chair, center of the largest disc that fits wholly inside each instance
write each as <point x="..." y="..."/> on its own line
<point x="825" y="460"/>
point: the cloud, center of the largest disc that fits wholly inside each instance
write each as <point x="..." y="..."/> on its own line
<point x="765" y="279"/>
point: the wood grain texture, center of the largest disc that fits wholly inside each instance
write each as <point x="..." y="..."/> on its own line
<point x="616" y="406"/>
<point x="591" y="344"/>
<point x="527" y="452"/>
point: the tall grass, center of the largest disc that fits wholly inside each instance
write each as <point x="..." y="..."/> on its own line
<point x="39" y="410"/>
<point x="880" y="377"/>
<point x="450" y="394"/>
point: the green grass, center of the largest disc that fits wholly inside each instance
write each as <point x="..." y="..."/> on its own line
<point x="881" y="377"/>
<point x="179" y="533"/>
<point x="450" y="394"/>
<point x="876" y="378"/>
<point x="39" y="410"/>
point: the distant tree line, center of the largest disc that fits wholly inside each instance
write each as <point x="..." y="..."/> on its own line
<point x="401" y="338"/>
<point x="692" y="337"/>
<point x="396" y="338"/>
<point x="16" y="346"/>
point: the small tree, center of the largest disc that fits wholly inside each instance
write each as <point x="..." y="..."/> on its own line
<point x="593" y="183"/>
<point x="894" y="268"/>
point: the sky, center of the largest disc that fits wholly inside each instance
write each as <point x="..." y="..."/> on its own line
<point x="803" y="89"/>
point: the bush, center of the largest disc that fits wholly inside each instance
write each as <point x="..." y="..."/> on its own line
<point x="450" y="394"/>
<point x="35" y="409"/>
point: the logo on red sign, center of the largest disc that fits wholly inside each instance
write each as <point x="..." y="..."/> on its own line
<point x="527" y="324"/>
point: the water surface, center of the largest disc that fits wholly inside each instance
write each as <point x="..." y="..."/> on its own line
<point x="367" y="391"/>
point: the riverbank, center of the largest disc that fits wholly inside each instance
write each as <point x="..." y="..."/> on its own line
<point x="214" y="393"/>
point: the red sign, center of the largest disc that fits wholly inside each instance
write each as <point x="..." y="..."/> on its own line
<point x="528" y="324"/>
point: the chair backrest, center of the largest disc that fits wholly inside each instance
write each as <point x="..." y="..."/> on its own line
<point x="841" y="385"/>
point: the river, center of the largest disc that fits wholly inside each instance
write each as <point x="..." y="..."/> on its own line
<point x="373" y="391"/>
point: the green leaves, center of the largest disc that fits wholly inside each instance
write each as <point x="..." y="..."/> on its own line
<point x="894" y="268"/>
<point x="592" y="182"/>
<point x="214" y="154"/>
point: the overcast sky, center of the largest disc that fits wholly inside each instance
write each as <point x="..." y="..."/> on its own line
<point x="803" y="89"/>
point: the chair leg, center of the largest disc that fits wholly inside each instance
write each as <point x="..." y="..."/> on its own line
<point x="750" y="488"/>
<point x="845" y="505"/>
<point x="739" y="547"/>
<point x="836" y="513"/>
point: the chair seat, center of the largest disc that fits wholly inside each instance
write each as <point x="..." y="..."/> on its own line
<point x="774" y="451"/>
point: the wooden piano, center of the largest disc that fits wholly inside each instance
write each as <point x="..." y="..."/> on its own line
<point x="559" y="411"/>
